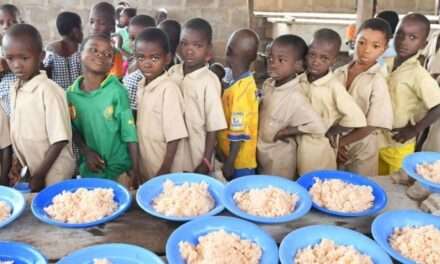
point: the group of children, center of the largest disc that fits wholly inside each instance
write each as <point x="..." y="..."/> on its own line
<point x="176" y="111"/>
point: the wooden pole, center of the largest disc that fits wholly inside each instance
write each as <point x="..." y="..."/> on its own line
<point x="365" y="9"/>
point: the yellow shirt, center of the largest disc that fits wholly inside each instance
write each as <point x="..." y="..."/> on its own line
<point x="203" y="110"/>
<point x="240" y="104"/>
<point x="40" y="118"/>
<point x="413" y="93"/>
<point x="159" y="121"/>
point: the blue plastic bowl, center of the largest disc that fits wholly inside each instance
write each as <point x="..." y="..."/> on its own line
<point x="152" y="188"/>
<point x="311" y="235"/>
<point x="192" y="230"/>
<point x="115" y="253"/>
<point x="20" y="253"/>
<point x="383" y="227"/>
<point x="380" y="196"/>
<point x="15" y="200"/>
<point x="302" y="207"/>
<point x="23" y="187"/>
<point x="45" y="197"/>
<point x="410" y="164"/>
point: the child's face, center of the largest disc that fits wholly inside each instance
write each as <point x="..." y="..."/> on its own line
<point x="151" y="59"/>
<point x="23" y="60"/>
<point x="134" y="31"/>
<point x="100" y="24"/>
<point x="124" y="20"/>
<point x="97" y="56"/>
<point x="320" y="57"/>
<point x="370" y="44"/>
<point x="7" y="20"/>
<point x="77" y="35"/>
<point x="194" y="48"/>
<point x="282" y="62"/>
<point x="410" y="38"/>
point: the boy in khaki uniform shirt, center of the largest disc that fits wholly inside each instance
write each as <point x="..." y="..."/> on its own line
<point x="365" y="80"/>
<point x="201" y="92"/>
<point x="415" y="95"/>
<point x="328" y="97"/>
<point x="160" y="122"/>
<point x="5" y="148"/>
<point x="284" y="111"/>
<point x="41" y="134"/>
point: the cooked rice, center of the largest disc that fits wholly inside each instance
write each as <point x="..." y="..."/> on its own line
<point x="430" y="172"/>
<point x="82" y="206"/>
<point x="101" y="261"/>
<point x="267" y="202"/>
<point x="337" y="195"/>
<point x="5" y="211"/>
<point x="220" y="247"/>
<point x="187" y="200"/>
<point x="421" y="244"/>
<point x="328" y="252"/>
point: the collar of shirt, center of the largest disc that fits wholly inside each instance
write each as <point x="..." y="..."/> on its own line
<point x="76" y="86"/>
<point x="321" y="81"/>
<point x="242" y="76"/>
<point x="153" y="84"/>
<point x="33" y="83"/>
<point x="410" y="62"/>
<point x="192" y="75"/>
<point x="287" y="85"/>
<point x="372" y="70"/>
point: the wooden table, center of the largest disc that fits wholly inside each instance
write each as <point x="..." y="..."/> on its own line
<point x="137" y="227"/>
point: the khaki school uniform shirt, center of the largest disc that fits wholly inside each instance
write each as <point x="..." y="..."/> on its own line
<point x="370" y="91"/>
<point x="413" y="93"/>
<point x="159" y="121"/>
<point x="332" y="102"/>
<point x="281" y="107"/>
<point x="5" y="140"/>
<point x="40" y="118"/>
<point x="203" y="109"/>
<point x="432" y="56"/>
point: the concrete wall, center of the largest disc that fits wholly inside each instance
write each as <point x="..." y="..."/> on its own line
<point x="349" y="6"/>
<point x="224" y="15"/>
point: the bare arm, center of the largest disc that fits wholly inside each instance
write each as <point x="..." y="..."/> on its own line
<point x="209" y="150"/>
<point x="169" y="157"/>
<point x="6" y="161"/>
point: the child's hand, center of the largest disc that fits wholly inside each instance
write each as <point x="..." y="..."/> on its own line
<point x="281" y="135"/>
<point x="228" y="170"/>
<point x="342" y="155"/>
<point x="202" y="169"/>
<point x="37" y="182"/>
<point x="405" y="133"/>
<point x="94" y="162"/>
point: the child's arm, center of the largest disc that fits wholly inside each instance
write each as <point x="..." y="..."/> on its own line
<point x="6" y="161"/>
<point x="228" y="166"/>
<point x="169" y="157"/>
<point x="37" y="181"/>
<point x="94" y="162"/>
<point x="410" y="131"/>
<point x="134" y="154"/>
<point x="204" y="167"/>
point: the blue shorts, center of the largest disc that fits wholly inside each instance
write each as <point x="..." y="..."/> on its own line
<point x="243" y="172"/>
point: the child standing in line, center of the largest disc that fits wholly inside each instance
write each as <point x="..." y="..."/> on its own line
<point x="40" y="104"/>
<point x="160" y="123"/>
<point x="125" y="44"/>
<point x="329" y="98"/>
<point x="103" y="123"/>
<point x="172" y="28"/>
<point x="201" y="91"/>
<point x="238" y="143"/>
<point x="5" y="148"/>
<point x="284" y="111"/>
<point x="365" y="80"/>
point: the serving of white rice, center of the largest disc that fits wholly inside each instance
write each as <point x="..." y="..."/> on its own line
<point x="268" y="202"/>
<point x="430" y="172"/>
<point x="337" y="195"/>
<point x="82" y="206"/>
<point x="101" y="261"/>
<point x="421" y="244"/>
<point x="5" y="210"/>
<point x="328" y="252"/>
<point x="185" y="200"/>
<point x="220" y="247"/>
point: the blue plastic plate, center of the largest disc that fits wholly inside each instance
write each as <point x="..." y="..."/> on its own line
<point x="383" y="227"/>
<point x="23" y="187"/>
<point x="261" y="181"/>
<point x="311" y="235"/>
<point x="192" y="230"/>
<point x="20" y="253"/>
<point x="15" y="200"/>
<point x="380" y="196"/>
<point x="152" y="188"/>
<point x="410" y="164"/>
<point x="115" y="253"/>
<point x="45" y="197"/>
